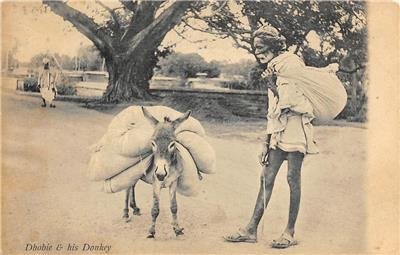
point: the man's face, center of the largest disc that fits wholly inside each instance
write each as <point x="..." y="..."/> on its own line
<point x="262" y="51"/>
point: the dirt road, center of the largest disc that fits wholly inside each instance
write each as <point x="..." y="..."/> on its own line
<point x="47" y="198"/>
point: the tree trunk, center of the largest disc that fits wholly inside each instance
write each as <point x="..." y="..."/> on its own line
<point x="354" y="84"/>
<point x="129" y="79"/>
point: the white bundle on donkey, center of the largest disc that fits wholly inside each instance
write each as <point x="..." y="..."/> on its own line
<point x="158" y="145"/>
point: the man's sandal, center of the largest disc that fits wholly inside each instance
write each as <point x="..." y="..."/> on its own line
<point x="241" y="236"/>
<point x="285" y="241"/>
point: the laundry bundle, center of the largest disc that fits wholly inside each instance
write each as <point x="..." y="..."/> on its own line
<point x="124" y="154"/>
<point x="321" y="86"/>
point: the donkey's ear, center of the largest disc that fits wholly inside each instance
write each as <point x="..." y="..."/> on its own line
<point x="181" y="119"/>
<point x="150" y="117"/>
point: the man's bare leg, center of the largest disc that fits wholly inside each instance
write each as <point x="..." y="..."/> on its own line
<point x="267" y="180"/>
<point x="295" y="160"/>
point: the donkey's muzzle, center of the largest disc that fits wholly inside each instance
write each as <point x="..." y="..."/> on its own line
<point x="160" y="176"/>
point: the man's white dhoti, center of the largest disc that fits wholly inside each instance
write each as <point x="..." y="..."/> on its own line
<point x="47" y="85"/>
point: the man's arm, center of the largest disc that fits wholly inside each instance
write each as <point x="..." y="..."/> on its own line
<point x="38" y="81"/>
<point x="272" y="106"/>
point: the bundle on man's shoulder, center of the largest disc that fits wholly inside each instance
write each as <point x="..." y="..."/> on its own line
<point x="123" y="155"/>
<point x="321" y="86"/>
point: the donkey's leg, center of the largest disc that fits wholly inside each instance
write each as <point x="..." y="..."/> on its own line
<point x="155" y="210"/>
<point x="174" y="209"/>
<point x="136" y="210"/>
<point x="125" y="214"/>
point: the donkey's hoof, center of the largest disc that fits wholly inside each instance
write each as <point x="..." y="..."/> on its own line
<point x="178" y="231"/>
<point x="136" y="211"/>
<point x="126" y="219"/>
<point x="152" y="232"/>
<point x="125" y="214"/>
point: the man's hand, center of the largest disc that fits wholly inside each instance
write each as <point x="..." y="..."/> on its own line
<point x="268" y="72"/>
<point x="54" y="91"/>
<point x="263" y="157"/>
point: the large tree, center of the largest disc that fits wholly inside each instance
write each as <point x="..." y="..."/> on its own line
<point x="128" y="39"/>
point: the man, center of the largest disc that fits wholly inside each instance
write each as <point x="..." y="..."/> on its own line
<point x="46" y="84"/>
<point x="289" y="137"/>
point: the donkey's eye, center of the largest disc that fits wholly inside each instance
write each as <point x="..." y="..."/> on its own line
<point x="171" y="146"/>
<point x="153" y="144"/>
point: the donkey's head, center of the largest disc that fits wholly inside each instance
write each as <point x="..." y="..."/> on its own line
<point x="163" y="143"/>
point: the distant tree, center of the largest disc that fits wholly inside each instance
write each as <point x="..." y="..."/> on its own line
<point x="212" y="69"/>
<point x="37" y="60"/>
<point x="56" y="59"/>
<point x="65" y="61"/>
<point x="243" y="67"/>
<point x="186" y="65"/>
<point x="89" y="58"/>
<point x="10" y="61"/>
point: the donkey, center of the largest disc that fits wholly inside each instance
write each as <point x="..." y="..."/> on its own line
<point x="163" y="172"/>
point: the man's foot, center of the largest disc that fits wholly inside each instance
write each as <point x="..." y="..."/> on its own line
<point x="241" y="236"/>
<point x="285" y="241"/>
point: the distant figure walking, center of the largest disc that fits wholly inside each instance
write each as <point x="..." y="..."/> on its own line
<point x="47" y="84"/>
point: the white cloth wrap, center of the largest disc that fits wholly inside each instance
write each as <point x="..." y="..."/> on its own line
<point x="129" y="132"/>
<point x="47" y="80"/>
<point x="127" y="177"/>
<point x="321" y="86"/>
<point x="188" y="182"/>
<point x="200" y="150"/>
<point x="47" y="94"/>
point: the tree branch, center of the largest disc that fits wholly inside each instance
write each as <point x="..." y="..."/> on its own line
<point x="180" y="34"/>
<point x="129" y="5"/>
<point x="238" y="44"/>
<point x="200" y="30"/>
<point x="143" y="16"/>
<point x="82" y="23"/>
<point x="111" y="11"/>
<point x="154" y="33"/>
<point x="351" y="71"/>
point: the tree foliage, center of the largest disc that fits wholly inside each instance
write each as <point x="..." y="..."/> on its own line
<point x="187" y="65"/>
<point x="89" y="58"/>
<point x="242" y="68"/>
<point x="340" y="25"/>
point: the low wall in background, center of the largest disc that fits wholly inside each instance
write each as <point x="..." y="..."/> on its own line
<point x="243" y="103"/>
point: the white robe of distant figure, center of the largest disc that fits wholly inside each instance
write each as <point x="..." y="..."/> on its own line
<point x="47" y="83"/>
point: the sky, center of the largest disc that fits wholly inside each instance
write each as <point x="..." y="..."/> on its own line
<point x="36" y="31"/>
